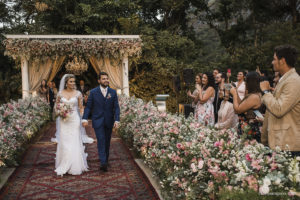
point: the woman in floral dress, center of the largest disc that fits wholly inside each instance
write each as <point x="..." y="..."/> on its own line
<point x="248" y="126"/>
<point x="195" y="93"/>
<point x="204" y="112"/>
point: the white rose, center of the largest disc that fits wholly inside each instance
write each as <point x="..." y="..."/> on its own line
<point x="277" y="182"/>
<point x="264" y="190"/>
<point x="200" y="164"/>
<point x="267" y="181"/>
<point x="193" y="166"/>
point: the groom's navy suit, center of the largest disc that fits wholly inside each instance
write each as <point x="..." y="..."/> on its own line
<point x="105" y="111"/>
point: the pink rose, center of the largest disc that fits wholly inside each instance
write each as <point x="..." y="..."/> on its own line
<point x="217" y="144"/>
<point x="248" y="157"/>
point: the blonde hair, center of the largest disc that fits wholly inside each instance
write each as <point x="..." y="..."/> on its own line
<point x="67" y="78"/>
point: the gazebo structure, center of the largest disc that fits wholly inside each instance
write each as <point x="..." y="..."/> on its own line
<point x="42" y="56"/>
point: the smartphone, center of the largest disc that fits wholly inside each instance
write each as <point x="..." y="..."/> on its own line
<point x="258" y="114"/>
<point x="233" y="84"/>
<point x="229" y="71"/>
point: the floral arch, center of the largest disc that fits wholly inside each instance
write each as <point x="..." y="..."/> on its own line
<point x="42" y="56"/>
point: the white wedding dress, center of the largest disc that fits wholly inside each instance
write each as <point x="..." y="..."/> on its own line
<point x="70" y="155"/>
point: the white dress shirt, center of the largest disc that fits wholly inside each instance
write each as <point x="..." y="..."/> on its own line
<point x="103" y="90"/>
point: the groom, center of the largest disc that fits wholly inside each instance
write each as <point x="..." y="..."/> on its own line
<point x="103" y="103"/>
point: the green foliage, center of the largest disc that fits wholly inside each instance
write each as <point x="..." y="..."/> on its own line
<point x="176" y="34"/>
<point x="10" y="78"/>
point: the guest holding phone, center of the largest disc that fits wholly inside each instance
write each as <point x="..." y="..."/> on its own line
<point x="248" y="126"/>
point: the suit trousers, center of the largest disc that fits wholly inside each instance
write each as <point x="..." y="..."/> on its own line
<point x="103" y="135"/>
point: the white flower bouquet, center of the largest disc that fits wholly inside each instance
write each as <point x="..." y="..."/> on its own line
<point x="62" y="110"/>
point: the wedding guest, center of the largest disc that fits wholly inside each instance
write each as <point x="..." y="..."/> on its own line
<point x="275" y="80"/>
<point x="282" y="120"/>
<point x="219" y="92"/>
<point x="228" y="75"/>
<point x="43" y="90"/>
<point x="245" y="108"/>
<point x="226" y="115"/>
<point x="55" y="91"/>
<point x="50" y="96"/>
<point x="54" y="88"/>
<point x="240" y="84"/>
<point x="195" y="93"/>
<point x="215" y="72"/>
<point x="204" y="112"/>
<point x="83" y="89"/>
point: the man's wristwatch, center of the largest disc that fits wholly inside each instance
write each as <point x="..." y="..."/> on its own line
<point x="266" y="91"/>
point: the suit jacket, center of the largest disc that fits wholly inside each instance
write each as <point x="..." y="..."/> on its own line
<point x="51" y="96"/>
<point x="282" y="120"/>
<point x="105" y="110"/>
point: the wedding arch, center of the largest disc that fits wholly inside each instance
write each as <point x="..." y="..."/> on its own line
<point x="42" y="56"/>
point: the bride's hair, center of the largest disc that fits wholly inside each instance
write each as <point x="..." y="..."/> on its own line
<point x="69" y="76"/>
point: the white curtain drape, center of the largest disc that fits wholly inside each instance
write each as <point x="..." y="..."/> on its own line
<point x="112" y="67"/>
<point x="39" y="70"/>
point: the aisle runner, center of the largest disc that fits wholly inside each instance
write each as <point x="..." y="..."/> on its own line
<point x="35" y="178"/>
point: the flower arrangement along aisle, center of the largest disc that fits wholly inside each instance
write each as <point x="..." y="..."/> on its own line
<point x="19" y="121"/>
<point x="195" y="162"/>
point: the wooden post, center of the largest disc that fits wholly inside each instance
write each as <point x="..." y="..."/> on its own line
<point x="125" y="89"/>
<point x="25" y="78"/>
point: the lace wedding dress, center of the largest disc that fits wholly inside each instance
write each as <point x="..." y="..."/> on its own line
<point x="70" y="155"/>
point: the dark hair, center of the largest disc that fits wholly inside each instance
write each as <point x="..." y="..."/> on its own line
<point x="223" y="75"/>
<point x="288" y="52"/>
<point x="244" y="73"/>
<point x="217" y="70"/>
<point x="68" y="77"/>
<point x="200" y="75"/>
<point x="46" y="86"/>
<point x="265" y="72"/>
<point x="253" y="82"/>
<point x="102" y="74"/>
<point x="210" y="80"/>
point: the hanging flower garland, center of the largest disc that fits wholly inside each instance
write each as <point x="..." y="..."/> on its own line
<point x="45" y="48"/>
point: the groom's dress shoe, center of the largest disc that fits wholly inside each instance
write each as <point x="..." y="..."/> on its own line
<point x="103" y="167"/>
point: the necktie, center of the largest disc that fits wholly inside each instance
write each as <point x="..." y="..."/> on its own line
<point x="104" y="92"/>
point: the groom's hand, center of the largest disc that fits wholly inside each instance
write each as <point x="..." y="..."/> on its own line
<point x="84" y="124"/>
<point x="116" y="125"/>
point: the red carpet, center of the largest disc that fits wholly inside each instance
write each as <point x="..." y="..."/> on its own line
<point x="36" y="179"/>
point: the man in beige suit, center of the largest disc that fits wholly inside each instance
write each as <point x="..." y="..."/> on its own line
<point x="282" y="120"/>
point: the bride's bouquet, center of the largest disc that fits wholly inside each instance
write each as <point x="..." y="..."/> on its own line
<point x="62" y="110"/>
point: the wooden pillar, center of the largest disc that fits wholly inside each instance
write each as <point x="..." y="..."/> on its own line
<point x="25" y="78"/>
<point x="125" y="73"/>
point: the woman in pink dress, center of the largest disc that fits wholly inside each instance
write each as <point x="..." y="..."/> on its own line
<point x="226" y="115"/>
<point x="204" y="112"/>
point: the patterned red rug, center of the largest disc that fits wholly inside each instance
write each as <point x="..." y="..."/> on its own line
<point x="36" y="179"/>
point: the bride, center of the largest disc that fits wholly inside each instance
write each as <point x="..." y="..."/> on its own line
<point x="70" y="155"/>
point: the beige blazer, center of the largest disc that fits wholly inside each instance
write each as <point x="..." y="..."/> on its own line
<point x="282" y="120"/>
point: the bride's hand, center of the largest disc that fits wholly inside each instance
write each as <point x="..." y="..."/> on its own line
<point x="84" y="124"/>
